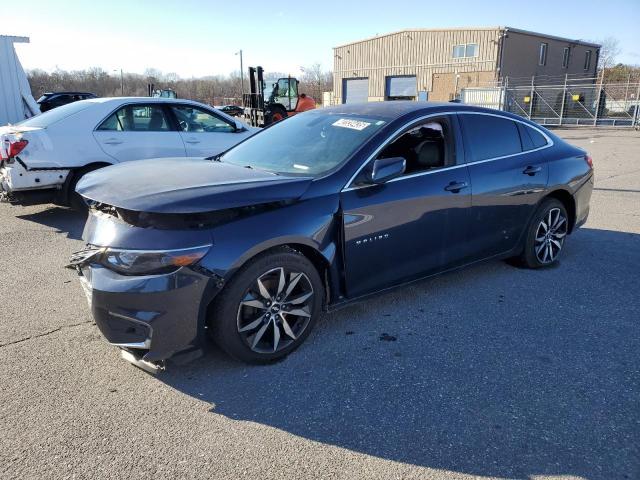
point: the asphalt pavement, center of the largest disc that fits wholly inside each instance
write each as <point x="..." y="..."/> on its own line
<point x="493" y="371"/>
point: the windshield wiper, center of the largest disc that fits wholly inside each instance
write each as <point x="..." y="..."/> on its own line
<point x="215" y="158"/>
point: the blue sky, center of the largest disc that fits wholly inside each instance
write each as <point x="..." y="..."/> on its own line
<point x="197" y="37"/>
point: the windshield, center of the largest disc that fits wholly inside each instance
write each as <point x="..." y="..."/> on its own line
<point x="309" y="144"/>
<point x="48" y="118"/>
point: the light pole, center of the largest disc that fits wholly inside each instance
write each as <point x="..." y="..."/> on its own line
<point x="241" y="71"/>
<point x="121" y="83"/>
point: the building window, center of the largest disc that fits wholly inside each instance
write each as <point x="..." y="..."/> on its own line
<point x="587" y="59"/>
<point x="542" y="60"/>
<point x="565" y="57"/>
<point x="466" y="50"/>
<point x="471" y="50"/>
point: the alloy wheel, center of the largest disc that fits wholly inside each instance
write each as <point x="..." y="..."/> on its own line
<point x="550" y="236"/>
<point x="275" y="310"/>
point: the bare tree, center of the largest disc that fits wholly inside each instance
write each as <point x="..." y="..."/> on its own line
<point x="609" y="50"/>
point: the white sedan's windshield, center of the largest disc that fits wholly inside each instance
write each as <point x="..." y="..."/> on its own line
<point x="310" y="143"/>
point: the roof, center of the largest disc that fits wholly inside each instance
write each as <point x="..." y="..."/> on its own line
<point x="472" y="29"/>
<point x="393" y="110"/>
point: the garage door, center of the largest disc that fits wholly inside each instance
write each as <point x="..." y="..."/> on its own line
<point x="355" y="90"/>
<point x="401" y="87"/>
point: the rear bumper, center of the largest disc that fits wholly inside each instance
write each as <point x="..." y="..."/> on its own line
<point x="582" y="198"/>
<point x="155" y="316"/>
<point x="29" y="187"/>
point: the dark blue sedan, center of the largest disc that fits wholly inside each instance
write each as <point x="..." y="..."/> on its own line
<point x="322" y="209"/>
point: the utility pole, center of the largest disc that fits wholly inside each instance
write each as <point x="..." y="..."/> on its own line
<point x="121" y="83"/>
<point x="241" y="72"/>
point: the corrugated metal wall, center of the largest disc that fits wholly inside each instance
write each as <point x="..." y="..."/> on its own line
<point x="16" y="102"/>
<point x="412" y="52"/>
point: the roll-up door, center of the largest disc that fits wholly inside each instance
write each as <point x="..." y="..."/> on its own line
<point x="355" y="90"/>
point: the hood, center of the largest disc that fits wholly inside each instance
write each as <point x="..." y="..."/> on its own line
<point x="187" y="185"/>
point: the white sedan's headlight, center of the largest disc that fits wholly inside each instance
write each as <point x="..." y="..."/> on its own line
<point x="145" y="262"/>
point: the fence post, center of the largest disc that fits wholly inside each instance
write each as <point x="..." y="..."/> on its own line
<point x="504" y="94"/>
<point x="636" y="111"/>
<point x="531" y="96"/>
<point x="564" y="95"/>
<point x="595" y="117"/>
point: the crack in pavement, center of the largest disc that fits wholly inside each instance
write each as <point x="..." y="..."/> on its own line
<point x="45" y="333"/>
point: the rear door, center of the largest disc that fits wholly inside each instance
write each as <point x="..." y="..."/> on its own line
<point x="509" y="177"/>
<point x="139" y="131"/>
<point x="205" y="132"/>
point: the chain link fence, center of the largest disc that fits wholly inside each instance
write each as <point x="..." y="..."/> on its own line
<point x="575" y="101"/>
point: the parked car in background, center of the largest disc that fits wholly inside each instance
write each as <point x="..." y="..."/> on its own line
<point x="233" y="110"/>
<point x="315" y="212"/>
<point x="52" y="100"/>
<point x="42" y="158"/>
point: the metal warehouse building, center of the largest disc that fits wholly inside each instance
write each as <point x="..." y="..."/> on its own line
<point x="434" y="65"/>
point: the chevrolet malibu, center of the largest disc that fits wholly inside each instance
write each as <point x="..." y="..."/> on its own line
<point x="325" y="208"/>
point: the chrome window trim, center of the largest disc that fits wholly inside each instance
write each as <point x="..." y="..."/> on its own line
<point x="348" y="186"/>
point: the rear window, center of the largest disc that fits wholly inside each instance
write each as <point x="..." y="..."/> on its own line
<point x="52" y="116"/>
<point x="489" y="136"/>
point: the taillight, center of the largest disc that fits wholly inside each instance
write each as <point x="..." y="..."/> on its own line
<point x="589" y="160"/>
<point x="16" y="147"/>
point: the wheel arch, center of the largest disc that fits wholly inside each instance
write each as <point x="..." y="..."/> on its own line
<point x="569" y="203"/>
<point x="322" y="259"/>
<point x="74" y="173"/>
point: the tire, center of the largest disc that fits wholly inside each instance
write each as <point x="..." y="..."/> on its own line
<point x="74" y="199"/>
<point x="275" y="113"/>
<point x="541" y="246"/>
<point x="245" y="316"/>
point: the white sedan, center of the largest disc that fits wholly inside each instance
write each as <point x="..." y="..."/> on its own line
<point x="42" y="158"/>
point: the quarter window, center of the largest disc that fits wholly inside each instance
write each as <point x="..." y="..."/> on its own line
<point x="489" y="136"/>
<point x="196" y="120"/>
<point x="587" y="59"/>
<point x="137" y="118"/>
<point x="542" y="57"/>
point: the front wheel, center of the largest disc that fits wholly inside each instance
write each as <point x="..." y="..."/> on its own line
<point x="269" y="307"/>
<point x="546" y="234"/>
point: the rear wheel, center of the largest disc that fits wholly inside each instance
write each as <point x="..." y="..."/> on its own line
<point x="76" y="201"/>
<point x="269" y="307"/>
<point x="546" y="234"/>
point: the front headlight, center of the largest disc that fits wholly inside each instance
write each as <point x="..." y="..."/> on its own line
<point x="146" y="262"/>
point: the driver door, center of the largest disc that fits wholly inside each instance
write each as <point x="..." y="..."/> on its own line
<point x="412" y="225"/>
<point x="203" y="132"/>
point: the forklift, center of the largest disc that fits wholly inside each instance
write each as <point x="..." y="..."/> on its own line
<point x="266" y="105"/>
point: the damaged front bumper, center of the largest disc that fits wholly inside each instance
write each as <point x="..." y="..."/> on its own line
<point x="153" y="317"/>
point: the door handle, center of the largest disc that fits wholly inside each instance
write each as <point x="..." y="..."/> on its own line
<point x="113" y="141"/>
<point x="455" y="187"/>
<point x="531" y="170"/>
<point x="192" y="140"/>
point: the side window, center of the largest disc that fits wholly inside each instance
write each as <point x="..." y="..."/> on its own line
<point x="137" y="118"/>
<point x="196" y="120"/>
<point x="425" y="147"/>
<point x="489" y="136"/>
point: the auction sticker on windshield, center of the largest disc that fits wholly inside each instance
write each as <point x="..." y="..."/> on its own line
<point x="353" y="124"/>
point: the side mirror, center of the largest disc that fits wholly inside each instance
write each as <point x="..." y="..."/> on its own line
<point x="239" y="126"/>
<point x="385" y="169"/>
